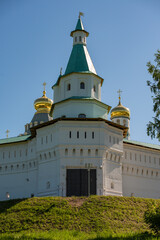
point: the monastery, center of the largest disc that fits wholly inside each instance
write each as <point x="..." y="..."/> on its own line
<point x="72" y="148"/>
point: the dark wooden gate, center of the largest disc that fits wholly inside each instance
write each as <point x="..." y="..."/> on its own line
<point x="77" y="182"/>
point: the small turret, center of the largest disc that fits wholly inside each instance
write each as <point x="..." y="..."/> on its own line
<point x="43" y="106"/>
<point x="121" y="115"/>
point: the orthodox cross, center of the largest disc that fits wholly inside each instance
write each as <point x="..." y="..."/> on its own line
<point x="119" y="92"/>
<point x="7" y="133"/>
<point x="44" y="92"/>
<point x="44" y="84"/>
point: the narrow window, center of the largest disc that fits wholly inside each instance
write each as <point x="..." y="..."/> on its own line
<point x="75" y="39"/>
<point x="70" y="134"/>
<point x="89" y="152"/>
<point x="48" y="185"/>
<point x="49" y="155"/>
<point x="17" y="166"/>
<point x="54" y="153"/>
<point x="82" y="85"/>
<point x="112" y="185"/>
<point x="124" y="122"/>
<point x="74" y="151"/>
<point x="93" y="135"/>
<point x="118" y="121"/>
<point x="78" y="134"/>
<point x="80" y="38"/>
<point x="11" y="167"/>
<point x="94" y="88"/>
<point x="96" y="152"/>
<point x="81" y="152"/>
<point x="66" y="151"/>
<point x="69" y="87"/>
<point x="85" y="135"/>
<point x="130" y="156"/>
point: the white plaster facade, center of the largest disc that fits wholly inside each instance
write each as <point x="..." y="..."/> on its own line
<point x="39" y="164"/>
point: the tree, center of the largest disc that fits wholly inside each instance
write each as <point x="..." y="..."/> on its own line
<point x="153" y="128"/>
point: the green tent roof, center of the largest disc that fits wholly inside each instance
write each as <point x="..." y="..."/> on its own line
<point x="79" y="25"/>
<point x="80" y="60"/>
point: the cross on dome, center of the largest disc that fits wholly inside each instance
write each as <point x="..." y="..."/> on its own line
<point x="119" y="92"/>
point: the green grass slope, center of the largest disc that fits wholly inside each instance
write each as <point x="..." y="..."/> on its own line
<point x="89" y="214"/>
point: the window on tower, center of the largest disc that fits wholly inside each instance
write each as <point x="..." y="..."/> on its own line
<point x="94" y="88"/>
<point x="80" y="38"/>
<point x="118" y="121"/>
<point x="82" y="85"/>
<point x="75" y="39"/>
<point x="69" y="87"/>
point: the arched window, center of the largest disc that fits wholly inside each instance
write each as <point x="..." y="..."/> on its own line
<point x="68" y="87"/>
<point x="80" y="38"/>
<point x="48" y="185"/>
<point x="82" y="85"/>
<point x="66" y="151"/>
<point x="94" y="88"/>
<point x="75" y="39"/>
<point x="124" y="122"/>
<point x="81" y="152"/>
<point x="118" y="121"/>
<point x="112" y="185"/>
<point x="82" y="115"/>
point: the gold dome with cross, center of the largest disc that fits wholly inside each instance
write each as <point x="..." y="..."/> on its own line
<point x="120" y="110"/>
<point x="43" y="104"/>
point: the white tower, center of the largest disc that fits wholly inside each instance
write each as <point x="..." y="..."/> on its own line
<point x="77" y="93"/>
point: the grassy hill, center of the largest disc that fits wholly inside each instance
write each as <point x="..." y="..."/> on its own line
<point x="114" y="215"/>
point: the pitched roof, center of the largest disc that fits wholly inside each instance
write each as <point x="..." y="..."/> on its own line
<point x="80" y="60"/>
<point x="15" y="139"/>
<point x="142" y="144"/>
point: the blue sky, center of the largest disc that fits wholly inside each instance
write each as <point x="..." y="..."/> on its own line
<point x="35" y="43"/>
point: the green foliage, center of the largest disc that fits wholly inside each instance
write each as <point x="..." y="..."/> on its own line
<point x="152" y="217"/>
<point x="153" y="128"/>
<point x="114" y="215"/>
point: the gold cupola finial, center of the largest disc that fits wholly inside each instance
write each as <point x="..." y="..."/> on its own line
<point x="119" y="92"/>
<point x="44" y="91"/>
<point x="43" y="104"/>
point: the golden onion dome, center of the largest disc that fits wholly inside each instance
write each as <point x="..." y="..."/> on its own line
<point x="43" y="104"/>
<point x="120" y="111"/>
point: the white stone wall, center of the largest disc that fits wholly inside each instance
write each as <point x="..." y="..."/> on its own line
<point x="141" y="172"/>
<point x="18" y="167"/>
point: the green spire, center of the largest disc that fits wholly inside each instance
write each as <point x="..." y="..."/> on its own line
<point x="79" y="25"/>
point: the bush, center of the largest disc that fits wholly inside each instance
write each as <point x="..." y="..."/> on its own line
<point x="152" y="217"/>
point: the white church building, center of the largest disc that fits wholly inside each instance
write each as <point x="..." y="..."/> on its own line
<point x="72" y="148"/>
